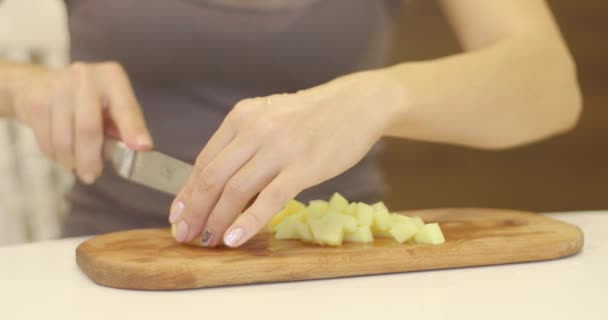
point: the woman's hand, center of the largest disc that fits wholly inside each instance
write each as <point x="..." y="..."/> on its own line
<point x="68" y="110"/>
<point x="275" y="147"/>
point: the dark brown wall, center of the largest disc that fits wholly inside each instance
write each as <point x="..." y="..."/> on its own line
<point x="564" y="173"/>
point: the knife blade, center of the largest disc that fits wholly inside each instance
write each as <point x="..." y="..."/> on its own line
<point x="152" y="169"/>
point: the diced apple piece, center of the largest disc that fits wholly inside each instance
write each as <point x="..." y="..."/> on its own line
<point x="290" y="208"/>
<point x="349" y="223"/>
<point x="317" y="208"/>
<point x="365" y="214"/>
<point x="379" y="206"/>
<point x="351" y="209"/>
<point x="419" y="222"/>
<point x="363" y="234"/>
<point x="338" y="202"/>
<point x="430" y="234"/>
<point x="403" y="231"/>
<point x="399" y="218"/>
<point x="304" y="233"/>
<point x="173" y="230"/>
<point x="287" y="229"/>
<point x="328" y="230"/>
<point x="382" y="221"/>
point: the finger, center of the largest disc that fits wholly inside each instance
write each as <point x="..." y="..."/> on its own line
<point x="218" y="141"/>
<point x="208" y="186"/>
<point x="239" y="190"/>
<point x="278" y="192"/>
<point x="62" y="129"/>
<point x="123" y="107"/>
<point x="88" y="130"/>
<point x="39" y="119"/>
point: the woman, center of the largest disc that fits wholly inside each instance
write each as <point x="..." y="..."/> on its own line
<point x="277" y="99"/>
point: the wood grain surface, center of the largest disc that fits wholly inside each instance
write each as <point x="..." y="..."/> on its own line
<point x="149" y="259"/>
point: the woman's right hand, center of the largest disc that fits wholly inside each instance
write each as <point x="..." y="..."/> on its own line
<point x="71" y="110"/>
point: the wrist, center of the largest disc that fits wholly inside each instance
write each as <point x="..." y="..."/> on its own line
<point x="13" y="78"/>
<point x="386" y="95"/>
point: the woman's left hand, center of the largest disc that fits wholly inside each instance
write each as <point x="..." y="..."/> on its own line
<point x="275" y="147"/>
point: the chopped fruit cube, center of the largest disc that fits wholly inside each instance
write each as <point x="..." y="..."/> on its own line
<point x="304" y="233"/>
<point x="382" y="220"/>
<point x="338" y="202"/>
<point x="419" y="222"/>
<point x="287" y="229"/>
<point x="398" y="218"/>
<point x="430" y="234"/>
<point x="379" y="206"/>
<point x="363" y="234"/>
<point x="349" y="223"/>
<point x="328" y="230"/>
<point x="351" y="209"/>
<point x="403" y="231"/>
<point x="317" y="208"/>
<point x="365" y="214"/>
<point x="290" y="208"/>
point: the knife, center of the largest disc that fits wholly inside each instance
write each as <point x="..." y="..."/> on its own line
<point x="152" y="169"/>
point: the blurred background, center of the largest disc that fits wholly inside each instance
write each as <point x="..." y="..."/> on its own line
<point x="569" y="172"/>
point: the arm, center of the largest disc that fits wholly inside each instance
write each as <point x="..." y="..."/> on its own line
<point x="515" y="84"/>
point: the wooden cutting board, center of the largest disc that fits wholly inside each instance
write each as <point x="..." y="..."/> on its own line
<point x="149" y="259"/>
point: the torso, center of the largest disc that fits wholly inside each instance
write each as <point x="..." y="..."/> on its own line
<point x="190" y="61"/>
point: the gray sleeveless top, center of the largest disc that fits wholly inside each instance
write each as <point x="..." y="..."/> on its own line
<point x="190" y="61"/>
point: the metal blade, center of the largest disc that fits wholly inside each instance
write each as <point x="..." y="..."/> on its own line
<point x="150" y="168"/>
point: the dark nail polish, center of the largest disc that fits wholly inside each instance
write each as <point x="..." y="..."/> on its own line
<point x="207" y="237"/>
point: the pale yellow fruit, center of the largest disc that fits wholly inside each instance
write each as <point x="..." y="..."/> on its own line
<point x="317" y="208"/>
<point x="365" y="214"/>
<point x="351" y="209"/>
<point x="304" y="233"/>
<point x="328" y="230"/>
<point x="399" y="218"/>
<point x="430" y="234"/>
<point x="363" y="234"/>
<point x="403" y="230"/>
<point x="349" y="223"/>
<point x="287" y="229"/>
<point x="382" y="221"/>
<point x="338" y="202"/>
<point x="418" y="221"/>
<point x="290" y="208"/>
<point x="379" y="206"/>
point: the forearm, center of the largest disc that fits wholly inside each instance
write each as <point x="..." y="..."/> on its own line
<point x="512" y="92"/>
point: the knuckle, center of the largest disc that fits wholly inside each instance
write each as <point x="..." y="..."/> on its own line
<point x="111" y="66"/>
<point x="289" y="146"/>
<point x="235" y="189"/>
<point x="242" y="111"/>
<point x="63" y="143"/>
<point x="257" y="218"/>
<point x="207" y="179"/>
<point x="79" y="69"/>
<point x="277" y="194"/>
<point x="39" y="106"/>
<point x="89" y="129"/>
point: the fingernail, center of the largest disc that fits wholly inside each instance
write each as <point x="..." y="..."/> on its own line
<point x="182" y="232"/>
<point x="143" y="140"/>
<point x="88" y="178"/>
<point x="233" y="237"/>
<point x="207" y="237"/>
<point x="178" y="208"/>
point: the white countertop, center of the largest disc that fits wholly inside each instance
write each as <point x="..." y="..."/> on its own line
<point x="42" y="281"/>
